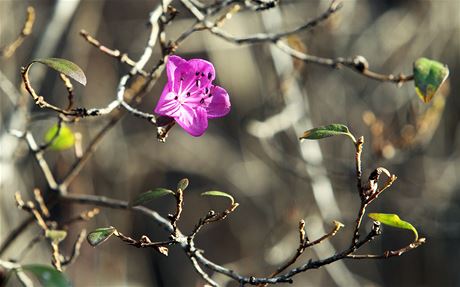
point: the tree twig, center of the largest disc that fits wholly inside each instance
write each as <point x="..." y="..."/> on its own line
<point x="9" y="49"/>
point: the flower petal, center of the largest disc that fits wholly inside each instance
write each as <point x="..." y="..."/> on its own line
<point x="193" y="120"/>
<point x="219" y="105"/>
<point x="193" y="77"/>
<point x="168" y="105"/>
<point x="205" y="69"/>
<point x="171" y="65"/>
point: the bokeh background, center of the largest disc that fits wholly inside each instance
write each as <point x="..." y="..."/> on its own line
<point x="254" y="152"/>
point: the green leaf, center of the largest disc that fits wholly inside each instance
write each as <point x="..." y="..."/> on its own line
<point x="151" y="195"/>
<point x="47" y="276"/>
<point x="100" y="235"/>
<point x="65" y="138"/>
<point x="429" y="75"/>
<point x="65" y="67"/>
<point x="218" y="193"/>
<point x="327" y="131"/>
<point x="56" y="235"/>
<point x="183" y="183"/>
<point x="393" y="220"/>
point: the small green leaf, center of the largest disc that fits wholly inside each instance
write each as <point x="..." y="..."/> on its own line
<point x="182" y="185"/>
<point x="219" y="193"/>
<point x="393" y="220"/>
<point x="56" y="235"/>
<point x="47" y="276"/>
<point x="100" y="235"/>
<point x="65" y="138"/>
<point x="151" y="195"/>
<point x="327" y="131"/>
<point x="65" y="67"/>
<point x="429" y="75"/>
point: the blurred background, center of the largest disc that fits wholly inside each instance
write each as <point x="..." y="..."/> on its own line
<point x="253" y="153"/>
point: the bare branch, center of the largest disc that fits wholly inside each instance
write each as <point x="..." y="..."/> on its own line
<point x="122" y="57"/>
<point x="75" y="249"/>
<point x="9" y="50"/>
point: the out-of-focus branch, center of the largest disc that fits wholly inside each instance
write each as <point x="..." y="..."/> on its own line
<point x="23" y="278"/>
<point x="29" y="206"/>
<point x="263" y="37"/>
<point x="15" y="233"/>
<point x="9" y="49"/>
<point x="357" y="64"/>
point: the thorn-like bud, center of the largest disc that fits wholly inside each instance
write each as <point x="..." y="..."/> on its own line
<point x="360" y="63"/>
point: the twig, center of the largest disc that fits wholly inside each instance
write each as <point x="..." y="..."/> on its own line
<point x="9" y="50"/>
<point x="83" y="216"/>
<point x="41" y="202"/>
<point x="122" y="57"/>
<point x="41" y="161"/>
<point x="30" y="207"/>
<point x="357" y="64"/>
<point x="304" y="243"/>
<point x="179" y="195"/>
<point x="56" y="256"/>
<point x="200" y="271"/>
<point x="145" y="242"/>
<point x="210" y="218"/>
<point x="102" y="201"/>
<point x="389" y="253"/>
<point x="69" y="87"/>
<point x="75" y="249"/>
<point x="23" y="278"/>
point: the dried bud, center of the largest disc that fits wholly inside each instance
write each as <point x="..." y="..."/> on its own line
<point x="360" y="63"/>
<point x="376" y="228"/>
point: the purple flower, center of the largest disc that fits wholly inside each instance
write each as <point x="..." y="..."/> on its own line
<point x="190" y="97"/>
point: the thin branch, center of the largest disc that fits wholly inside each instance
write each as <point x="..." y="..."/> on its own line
<point x="9" y="50"/>
<point x="29" y="247"/>
<point x="83" y="216"/>
<point x="41" y="161"/>
<point x="273" y="37"/>
<point x="122" y="57"/>
<point x="357" y="64"/>
<point x="200" y="271"/>
<point x="210" y="218"/>
<point x="304" y="243"/>
<point x="41" y="202"/>
<point x="42" y="103"/>
<point x="78" y="165"/>
<point x="75" y="249"/>
<point x="22" y="277"/>
<point x="69" y="87"/>
<point x="15" y="233"/>
<point x="103" y="201"/>
<point x="145" y="242"/>
<point x="389" y="253"/>
<point x="56" y="256"/>
<point x="179" y="195"/>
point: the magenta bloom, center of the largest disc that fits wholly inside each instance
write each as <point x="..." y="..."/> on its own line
<point x="190" y="97"/>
